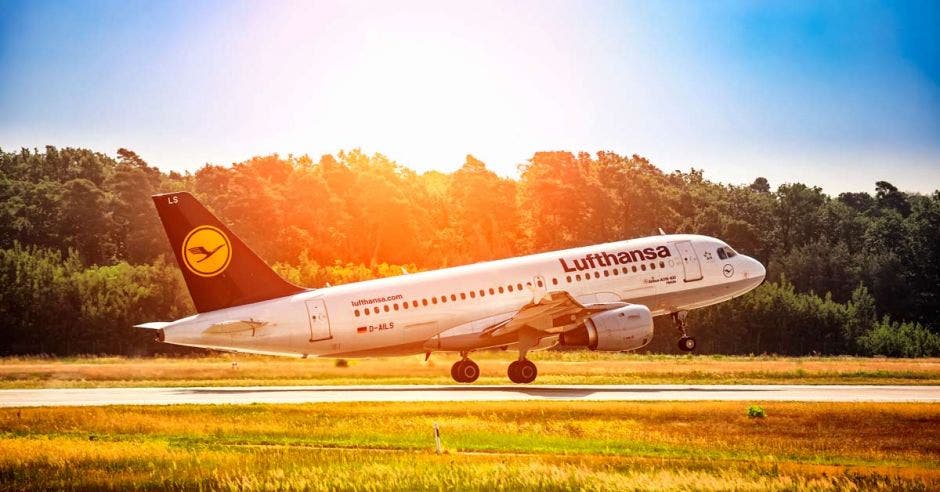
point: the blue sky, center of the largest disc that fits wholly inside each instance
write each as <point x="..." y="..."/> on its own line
<point x="837" y="94"/>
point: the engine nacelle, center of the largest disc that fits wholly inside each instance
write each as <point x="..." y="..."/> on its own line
<point x="617" y="330"/>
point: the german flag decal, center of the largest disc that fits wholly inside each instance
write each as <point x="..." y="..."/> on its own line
<point x="361" y="329"/>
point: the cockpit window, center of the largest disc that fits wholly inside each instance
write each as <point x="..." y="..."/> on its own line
<point x="725" y="252"/>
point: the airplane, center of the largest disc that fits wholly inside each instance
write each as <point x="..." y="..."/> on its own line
<point x="600" y="297"/>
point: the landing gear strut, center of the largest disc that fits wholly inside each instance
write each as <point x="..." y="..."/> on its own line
<point x="686" y="343"/>
<point x="465" y="370"/>
<point x="523" y="371"/>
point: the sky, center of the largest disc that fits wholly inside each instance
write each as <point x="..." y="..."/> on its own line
<point x="834" y="94"/>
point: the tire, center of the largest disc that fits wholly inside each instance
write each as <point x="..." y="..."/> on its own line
<point x="469" y="371"/>
<point x="513" y="371"/>
<point x="687" y="344"/>
<point x="455" y="370"/>
<point x="522" y="371"/>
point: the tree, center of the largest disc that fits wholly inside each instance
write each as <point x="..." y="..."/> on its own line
<point x="760" y="185"/>
<point x="84" y="221"/>
<point x="484" y="220"/>
<point x="888" y="196"/>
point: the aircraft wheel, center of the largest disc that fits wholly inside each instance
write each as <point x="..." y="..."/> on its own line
<point x="522" y="371"/>
<point x="455" y="370"/>
<point x="465" y="371"/>
<point x="687" y="344"/>
<point x="469" y="371"/>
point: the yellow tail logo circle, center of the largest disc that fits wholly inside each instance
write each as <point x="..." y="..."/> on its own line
<point x="206" y="251"/>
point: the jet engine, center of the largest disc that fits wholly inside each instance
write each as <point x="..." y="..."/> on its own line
<point x="626" y="328"/>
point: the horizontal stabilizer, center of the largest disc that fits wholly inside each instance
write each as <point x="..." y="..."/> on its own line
<point x="236" y="326"/>
<point x="153" y="325"/>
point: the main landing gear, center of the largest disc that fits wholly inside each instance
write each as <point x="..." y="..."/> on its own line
<point x="523" y="371"/>
<point x="465" y="370"/>
<point x="686" y="343"/>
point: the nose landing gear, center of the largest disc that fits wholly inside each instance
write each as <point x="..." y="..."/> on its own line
<point x="686" y="343"/>
<point x="465" y="370"/>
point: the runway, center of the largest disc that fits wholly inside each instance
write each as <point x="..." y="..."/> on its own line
<point x="406" y="393"/>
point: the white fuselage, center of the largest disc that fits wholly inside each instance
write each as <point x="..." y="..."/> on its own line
<point x="437" y="310"/>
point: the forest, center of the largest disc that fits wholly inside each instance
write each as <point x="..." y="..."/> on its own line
<point x="83" y="256"/>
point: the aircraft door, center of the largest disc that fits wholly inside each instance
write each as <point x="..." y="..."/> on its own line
<point x="690" y="264"/>
<point x="319" y="321"/>
<point x="538" y="288"/>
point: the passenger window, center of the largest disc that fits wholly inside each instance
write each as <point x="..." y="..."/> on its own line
<point x="367" y="311"/>
<point x="569" y="279"/>
<point x="662" y="264"/>
<point x="463" y="296"/>
<point x="519" y="286"/>
<point x="643" y="267"/>
<point x="597" y="274"/>
<point x="625" y="271"/>
<point x="425" y="302"/>
<point x="652" y="266"/>
<point x="501" y="290"/>
<point x="443" y="299"/>
<point x="404" y="305"/>
<point x="395" y="306"/>
<point x="578" y="277"/>
<point x="473" y="294"/>
<point x="554" y="282"/>
<point x="357" y="312"/>
<point x="492" y="291"/>
<point x="615" y="272"/>
<point x="433" y="300"/>
<point x="414" y="303"/>
<point x="540" y="282"/>
<point x="385" y="308"/>
<point x="634" y="268"/>
<point x="606" y="273"/>
<point x="482" y="293"/>
<point x="453" y="297"/>
<point x="509" y="287"/>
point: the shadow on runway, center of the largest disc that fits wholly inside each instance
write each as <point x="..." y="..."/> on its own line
<point x="542" y="391"/>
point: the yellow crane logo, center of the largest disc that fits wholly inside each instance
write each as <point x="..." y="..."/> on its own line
<point x="206" y="251"/>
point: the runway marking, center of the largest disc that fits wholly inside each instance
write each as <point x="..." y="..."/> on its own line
<point x="415" y="393"/>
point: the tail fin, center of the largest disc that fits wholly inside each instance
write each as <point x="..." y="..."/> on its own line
<point x="220" y="271"/>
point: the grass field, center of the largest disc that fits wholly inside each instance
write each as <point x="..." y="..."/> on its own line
<point x="547" y="445"/>
<point x="554" y="368"/>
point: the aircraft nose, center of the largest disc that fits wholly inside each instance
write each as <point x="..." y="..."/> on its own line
<point x="757" y="269"/>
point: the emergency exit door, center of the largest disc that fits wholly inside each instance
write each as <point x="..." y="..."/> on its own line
<point x="690" y="264"/>
<point x="319" y="321"/>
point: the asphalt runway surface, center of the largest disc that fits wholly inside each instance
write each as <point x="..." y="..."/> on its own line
<point x="407" y="393"/>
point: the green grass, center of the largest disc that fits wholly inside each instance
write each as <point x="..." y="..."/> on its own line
<point x="509" y="446"/>
<point x="554" y="368"/>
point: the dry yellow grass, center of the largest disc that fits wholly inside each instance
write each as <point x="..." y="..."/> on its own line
<point x="555" y="445"/>
<point x="554" y="368"/>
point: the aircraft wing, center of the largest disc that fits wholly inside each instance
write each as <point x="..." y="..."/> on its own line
<point x="154" y="325"/>
<point x="555" y="312"/>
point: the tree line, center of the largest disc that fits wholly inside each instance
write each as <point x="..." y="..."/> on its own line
<point x="83" y="255"/>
